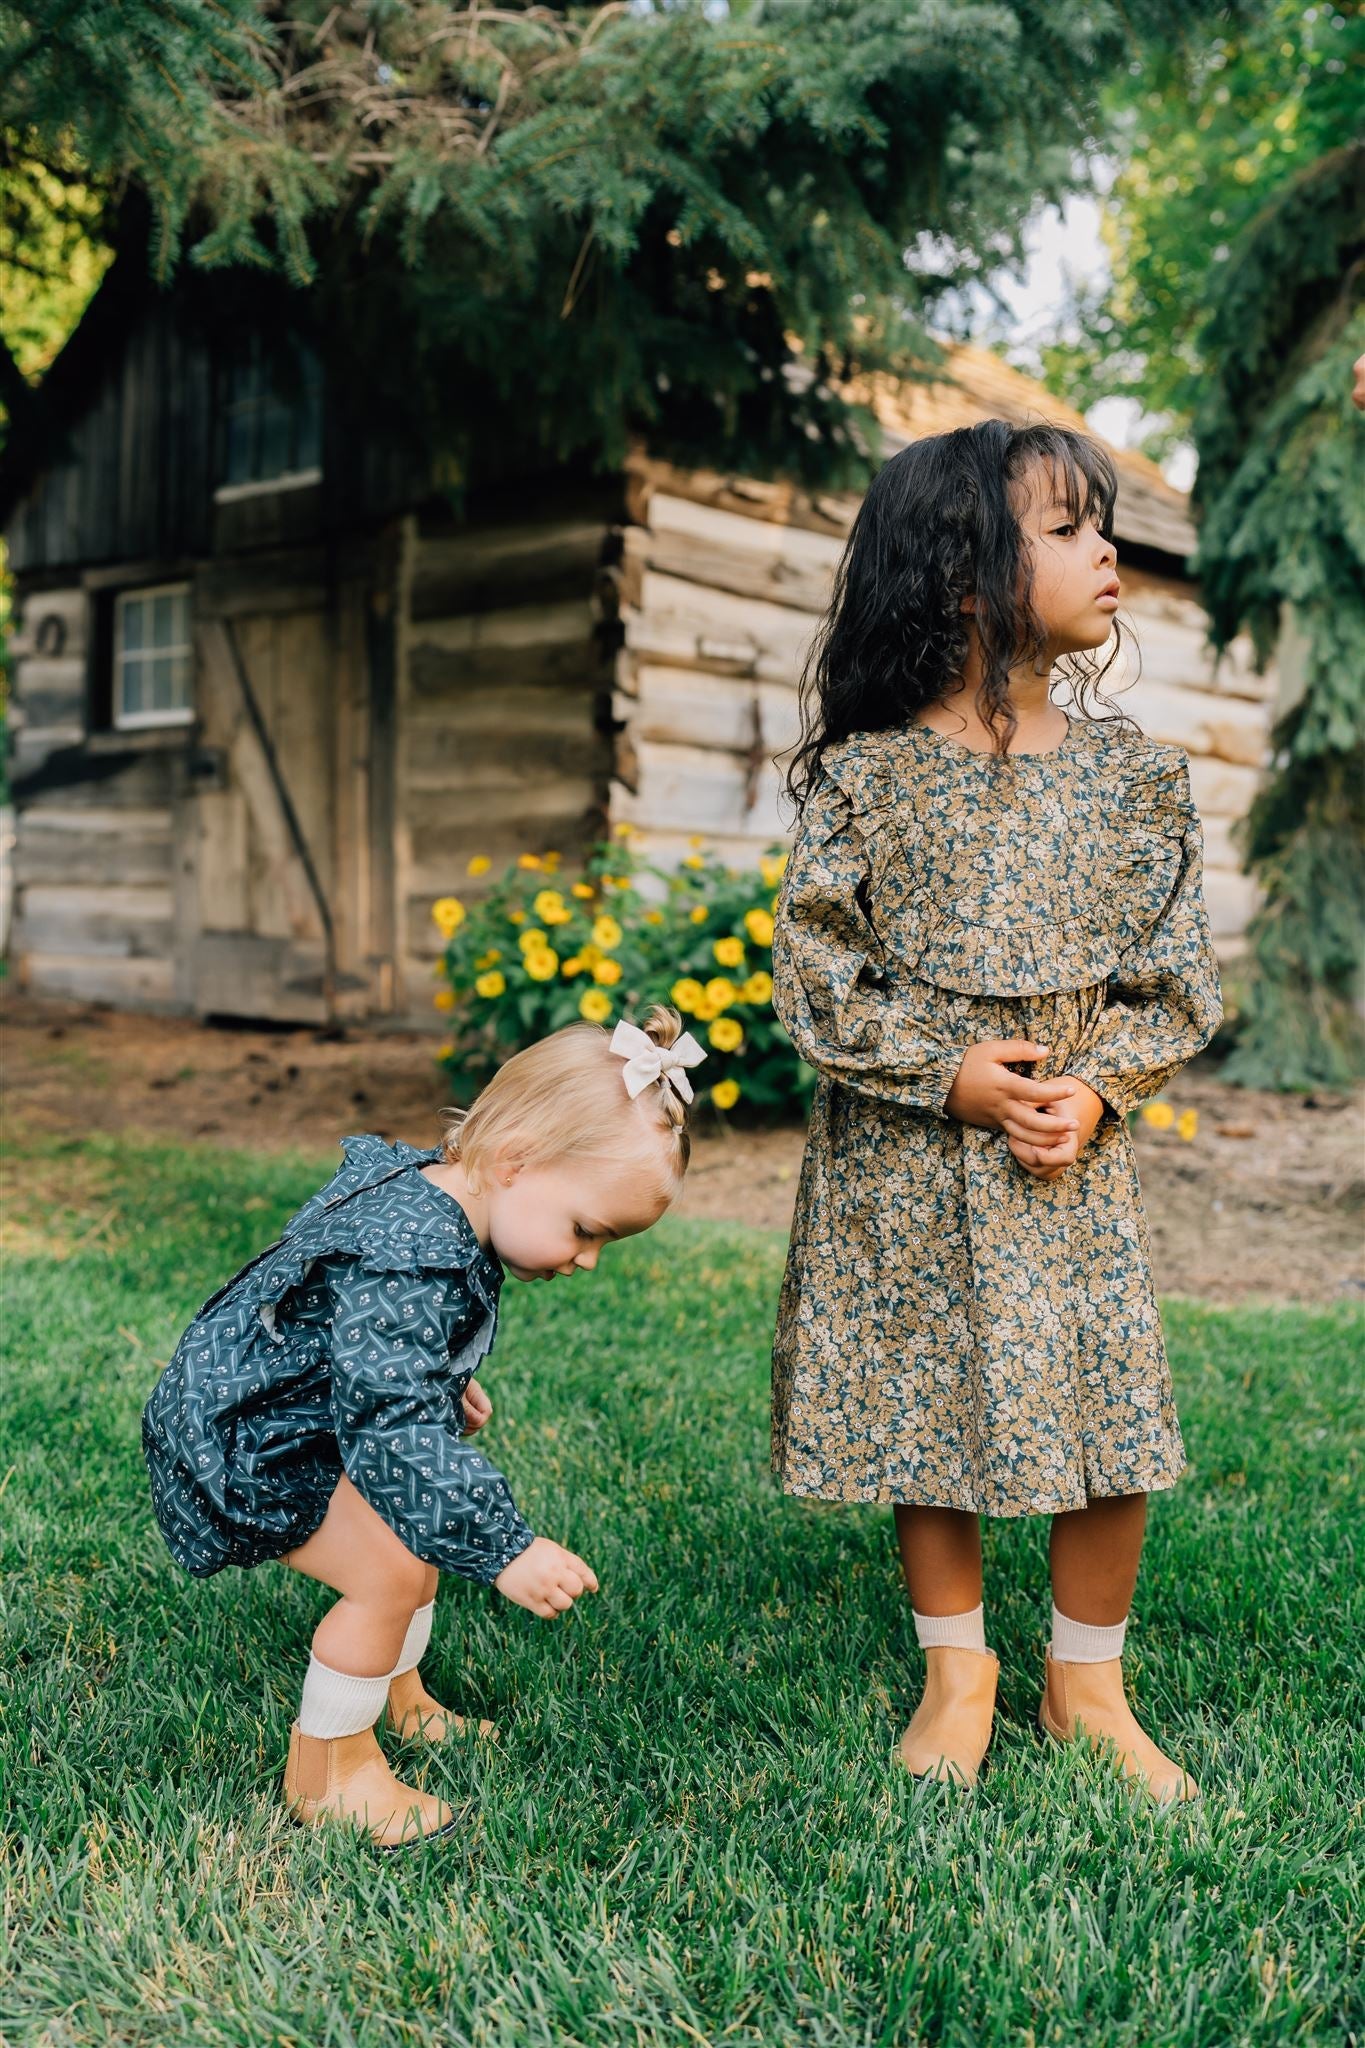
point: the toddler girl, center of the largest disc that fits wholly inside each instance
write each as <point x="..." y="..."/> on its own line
<point x="318" y="1408"/>
<point x="991" y="942"/>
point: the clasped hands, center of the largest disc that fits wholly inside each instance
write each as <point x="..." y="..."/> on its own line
<point x="1046" y="1124"/>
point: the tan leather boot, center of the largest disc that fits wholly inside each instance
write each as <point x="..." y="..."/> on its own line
<point x="346" y="1778"/>
<point x="951" y="1726"/>
<point x="1087" y="1701"/>
<point x="414" y="1715"/>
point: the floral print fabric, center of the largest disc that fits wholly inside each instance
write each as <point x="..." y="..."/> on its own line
<point x="346" y="1346"/>
<point x="952" y="1331"/>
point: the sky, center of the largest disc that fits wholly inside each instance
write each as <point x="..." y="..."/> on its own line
<point x="1064" y="243"/>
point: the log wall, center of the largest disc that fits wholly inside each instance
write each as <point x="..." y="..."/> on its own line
<point x="722" y="582"/>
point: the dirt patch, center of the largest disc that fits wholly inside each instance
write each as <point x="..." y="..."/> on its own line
<point x="1266" y="1202"/>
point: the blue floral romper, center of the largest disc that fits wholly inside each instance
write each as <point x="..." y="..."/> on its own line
<point x="345" y="1346"/>
<point x="951" y="1330"/>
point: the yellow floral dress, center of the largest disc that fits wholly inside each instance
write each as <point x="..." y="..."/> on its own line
<point x="951" y="1330"/>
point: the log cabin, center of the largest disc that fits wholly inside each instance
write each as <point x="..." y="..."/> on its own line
<point x="270" y="697"/>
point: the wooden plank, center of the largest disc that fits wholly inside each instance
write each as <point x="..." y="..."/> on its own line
<point x="291" y="580"/>
<point x="1231" y="901"/>
<point x="1222" y="789"/>
<point x="781" y="503"/>
<point x="779" y="634"/>
<point x="85" y="779"/>
<point x="481" y="569"/>
<point x="124" y="921"/>
<point x="435" y="755"/>
<point x="754" y="557"/>
<point x="130" y="983"/>
<point x="1227" y="727"/>
<point x="569" y="668"/>
<point x="687" y="707"/>
<point x="42" y="855"/>
<point x="253" y="974"/>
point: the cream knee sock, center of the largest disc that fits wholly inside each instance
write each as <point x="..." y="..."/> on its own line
<point x="1077" y="1642"/>
<point x="416" y="1640"/>
<point x="960" y="1631"/>
<point x="338" y="1703"/>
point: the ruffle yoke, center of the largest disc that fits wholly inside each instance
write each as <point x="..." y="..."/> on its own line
<point x="1016" y="911"/>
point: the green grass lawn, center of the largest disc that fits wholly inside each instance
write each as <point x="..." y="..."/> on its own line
<point x="690" y="1830"/>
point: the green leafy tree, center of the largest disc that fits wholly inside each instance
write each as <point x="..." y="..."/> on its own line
<point x="583" y="223"/>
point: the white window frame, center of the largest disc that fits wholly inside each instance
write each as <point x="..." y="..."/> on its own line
<point x="179" y="714"/>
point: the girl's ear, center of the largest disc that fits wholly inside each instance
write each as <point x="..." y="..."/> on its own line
<point x="968" y="603"/>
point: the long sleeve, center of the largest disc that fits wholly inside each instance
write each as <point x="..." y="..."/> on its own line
<point x="829" y="983"/>
<point x="1162" y="1002"/>
<point x="397" y="1418"/>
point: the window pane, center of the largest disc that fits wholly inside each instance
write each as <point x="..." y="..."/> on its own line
<point x="132" y="675"/>
<point x="274" y="459"/>
<point x="180" y="618"/>
<point x="161" y="622"/>
<point x="180" y="682"/>
<point x="132" y="624"/>
<point x="160" y="699"/>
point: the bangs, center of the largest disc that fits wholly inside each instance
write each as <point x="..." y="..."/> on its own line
<point x="1082" y="477"/>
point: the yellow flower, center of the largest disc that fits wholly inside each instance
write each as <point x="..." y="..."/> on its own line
<point x="654" y="917"/>
<point x="725" y="1094"/>
<point x="721" y="992"/>
<point x="449" y="914"/>
<point x="550" y="907"/>
<point x="624" y="831"/>
<point x="608" y="971"/>
<point x="516" y="917"/>
<point x="696" y="840"/>
<point x="593" y="1005"/>
<point x="532" y="940"/>
<point x="552" y="860"/>
<point x="543" y="964"/>
<point x="479" y="865"/>
<point x="444" y="999"/>
<point x="606" y="932"/>
<point x="758" y="988"/>
<point x="694" y="860"/>
<point x="529" y="860"/>
<point x="700" y="914"/>
<point x="759" y="925"/>
<point x="491" y="984"/>
<point x="729" y="952"/>
<point x="1159" y="1115"/>
<point x="705" y="1010"/>
<point x="447" y="1050"/>
<point x="726" y="1034"/>
<point x="687" y="993"/>
<point x="1187" y="1123"/>
<point x="583" y="891"/>
<point x="572" y="966"/>
<point x="488" y="959"/>
<point x="772" y="868"/>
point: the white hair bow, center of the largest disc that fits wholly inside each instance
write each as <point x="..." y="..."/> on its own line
<point x="646" y="1061"/>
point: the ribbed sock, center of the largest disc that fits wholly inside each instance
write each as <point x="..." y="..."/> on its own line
<point x="338" y="1703"/>
<point x="961" y="1631"/>
<point x="1076" y="1642"/>
<point x="416" y="1640"/>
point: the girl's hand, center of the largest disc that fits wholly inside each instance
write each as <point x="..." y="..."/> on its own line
<point x="546" y="1578"/>
<point x="988" y="1093"/>
<point x="1049" y="1156"/>
<point x="477" y="1407"/>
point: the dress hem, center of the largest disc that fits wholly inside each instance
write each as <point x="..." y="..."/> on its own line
<point x="1157" y="1483"/>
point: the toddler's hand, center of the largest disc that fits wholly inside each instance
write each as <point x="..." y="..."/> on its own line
<point x="477" y="1407"/>
<point x="988" y="1093"/>
<point x="546" y="1578"/>
<point x="1048" y="1158"/>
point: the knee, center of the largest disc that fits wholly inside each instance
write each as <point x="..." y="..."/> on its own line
<point x="399" y="1580"/>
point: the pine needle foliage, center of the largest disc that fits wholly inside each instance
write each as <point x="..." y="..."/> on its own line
<point x="542" y="229"/>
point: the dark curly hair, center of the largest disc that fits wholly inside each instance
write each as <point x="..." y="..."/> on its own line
<point x="937" y="525"/>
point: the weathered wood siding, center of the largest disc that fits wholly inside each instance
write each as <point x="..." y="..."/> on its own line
<point x="503" y="708"/>
<point x="722" y="582"/>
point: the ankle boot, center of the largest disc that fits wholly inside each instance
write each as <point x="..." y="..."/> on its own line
<point x="413" y="1714"/>
<point x="951" y="1727"/>
<point x="346" y="1778"/>
<point x="1087" y="1701"/>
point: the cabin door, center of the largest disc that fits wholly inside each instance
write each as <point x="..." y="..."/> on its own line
<point x="270" y="938"/>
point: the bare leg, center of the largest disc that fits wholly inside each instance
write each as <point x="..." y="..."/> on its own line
<point x="941" y="1558"/>
<point x="1094" y="1553"/>
<point x="381" y="1584"/>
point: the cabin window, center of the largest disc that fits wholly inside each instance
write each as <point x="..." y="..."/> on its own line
<point x="153" y="668"/>
<point x="270" y="414"/>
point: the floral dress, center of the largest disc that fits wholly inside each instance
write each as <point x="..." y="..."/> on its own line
<point x="346" y="1346"/>
<point x="951" y="1330"/>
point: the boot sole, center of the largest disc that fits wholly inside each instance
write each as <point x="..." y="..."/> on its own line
<point x="362" y="1833"/>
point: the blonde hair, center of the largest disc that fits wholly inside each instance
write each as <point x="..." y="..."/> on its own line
<point x="565" y="1098"/>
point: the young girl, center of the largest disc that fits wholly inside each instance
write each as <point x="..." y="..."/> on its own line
<point x="317" y="1409"/>
<point x="991" y="942"/>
